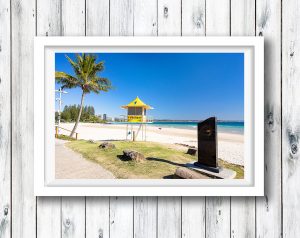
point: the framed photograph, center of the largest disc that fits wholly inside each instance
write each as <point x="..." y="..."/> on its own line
<point x="149" y="116"/>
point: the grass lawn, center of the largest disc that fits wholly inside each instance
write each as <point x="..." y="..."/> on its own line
<point x="161" y="161"/>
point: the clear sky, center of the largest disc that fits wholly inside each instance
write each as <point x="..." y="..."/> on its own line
<point x="182" y="86"/>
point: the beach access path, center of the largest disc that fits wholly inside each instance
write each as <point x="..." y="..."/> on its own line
<point x="71" y="165"/>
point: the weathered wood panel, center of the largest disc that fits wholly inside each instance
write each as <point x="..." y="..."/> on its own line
<point x="145" y="208"/>
<point x="97" y="18"/>
<point x="162" y="17"/>
<point x="218" y="217"/>
<point x="73" y="209"/>
<point x="48" y="208"/>
<point x="218" y="208"/>
<point x="193" y="217"/>
<point x="48" y="19"/>
<point x="242" y="208"/>
<point x="97" y="217"/>
<point x="5" y="120"/>
<point x="169" y="217"/>
<point x="23" y="202"/>
<point x="48" y="223"/>
<point x="217" y="18"/>
<point x="97" y="208"/>
<point x="121" y="208"/>
<point x="73" y="17"/>
<point x="145" y="217"/>
<point x="169" y="208"/>
<point x="73" y="217"/>
<point x="121" y="17"/>
<point x="169" y="17"/>
<point x="242" y="18"/>
<point x="193" y="208"/>
<point x="193" y="17"/>
<point x="268" y="208"/>
<point x="121" y="217"/>
<point x="145" y="17"/>
<point x="290" y="117"/>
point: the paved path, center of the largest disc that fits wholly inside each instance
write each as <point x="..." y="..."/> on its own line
<point x="71" y="165"/>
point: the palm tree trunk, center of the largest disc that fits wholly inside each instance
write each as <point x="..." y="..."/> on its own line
<point x="79" y="115"/>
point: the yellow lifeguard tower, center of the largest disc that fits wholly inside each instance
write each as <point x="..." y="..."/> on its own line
<point x="137" y="114"/>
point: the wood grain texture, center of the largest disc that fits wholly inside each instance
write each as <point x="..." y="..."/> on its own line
<point x="48" y="209"/>
<point x="48" y="223"/>
<point x="268" y="208"/>
<point x="5" y="120"/>
<point x="242" y="208"/>
<point x="193" y="208"/>
<point x="48" y="19"/>
<point x="97" y="217"/>
<point x="23" y="201"/>
<point x="290" y="118"/>
<point x="145" y="217"/>
<point x="169" y="208"/>
<point x="242" y="217"/>
<point x="193" y="17"/>
<point x="169" y="17"/>
<point x="145" y="208"/>
<point x="121" y="17"/>
<point x="149" y="217"/>
<point x="145" y="17"/>
<point x="73" y="17"/>
<point x="242" y="17"/>
<point x="169" y="217"/>
<point x="73" y="217"/>
<point x="218" y="217"/>
<point x="193" y="217"/>
<point x="121" y="217"/>
<point x="121" y="208"/>
<point x="97" y="208"/>
<point x="73" y="208"/>
<point x="218" y="17"/>
<point x="218" y="208"/>
<point x="97" y="18"/>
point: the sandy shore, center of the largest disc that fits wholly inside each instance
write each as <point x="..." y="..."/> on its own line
<point x="230" y="146"/>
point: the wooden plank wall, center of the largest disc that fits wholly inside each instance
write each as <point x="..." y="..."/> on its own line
<point x="274" y="215"/>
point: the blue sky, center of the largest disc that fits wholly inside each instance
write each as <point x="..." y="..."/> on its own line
<point x="182" y="86"/>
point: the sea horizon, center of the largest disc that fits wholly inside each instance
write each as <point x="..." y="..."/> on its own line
<point x="236" y="127"/>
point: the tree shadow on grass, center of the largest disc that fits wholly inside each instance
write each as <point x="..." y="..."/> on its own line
<point x="165" y="161"/>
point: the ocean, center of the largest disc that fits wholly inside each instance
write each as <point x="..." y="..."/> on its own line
<point x="223" y="126"/>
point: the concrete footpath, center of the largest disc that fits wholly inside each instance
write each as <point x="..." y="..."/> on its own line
<point x="71" y="165"/>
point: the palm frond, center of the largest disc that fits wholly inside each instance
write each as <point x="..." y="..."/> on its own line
<point x="66" y="80"/>
<point x="86" y="77"/>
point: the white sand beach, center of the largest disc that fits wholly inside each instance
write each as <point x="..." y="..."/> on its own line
<point x="230" y="145"/>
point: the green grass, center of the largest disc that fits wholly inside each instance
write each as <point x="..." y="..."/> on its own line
<point x="160" y="162"/>
<point x="64" y="137"/>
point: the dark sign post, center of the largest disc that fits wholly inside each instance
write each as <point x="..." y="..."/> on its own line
<point x="208" y="145"/>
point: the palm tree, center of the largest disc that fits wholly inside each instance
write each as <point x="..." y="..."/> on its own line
<point x="86" y="71"/>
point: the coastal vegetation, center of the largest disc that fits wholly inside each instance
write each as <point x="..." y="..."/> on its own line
<point x="86" y="77"/>
<point x="161" y="160"/>
<point x="71" y="112"/>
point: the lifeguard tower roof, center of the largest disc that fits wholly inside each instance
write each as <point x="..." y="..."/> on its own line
<point x="137" y="103"/>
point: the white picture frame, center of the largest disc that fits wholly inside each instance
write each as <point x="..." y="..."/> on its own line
<point x="45" y="183"/>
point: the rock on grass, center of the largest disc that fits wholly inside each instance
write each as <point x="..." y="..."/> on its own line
<point x="133" y="155"/>
<point x="107" y="145"/>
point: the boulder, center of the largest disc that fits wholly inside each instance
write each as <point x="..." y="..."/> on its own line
<point x="133" y="155"/>
<point x="192" y="151"/>
<point x="186" y="173"/>
<point x="107" y="145"/>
